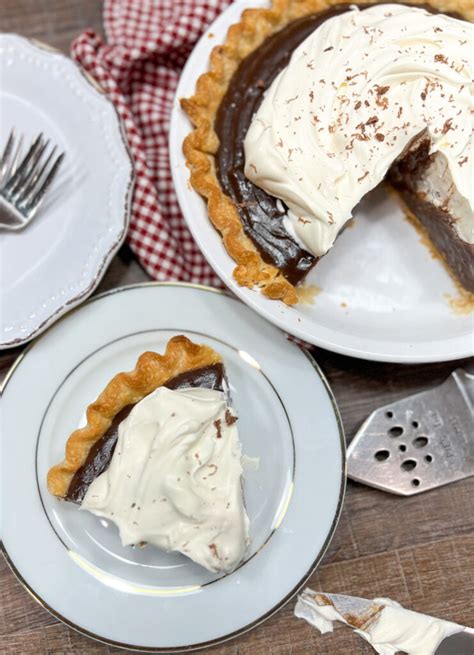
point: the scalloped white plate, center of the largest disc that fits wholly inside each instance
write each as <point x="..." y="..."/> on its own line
<point x="383" y="296"/>
<point x="144" y="599"/>
<point x="58" y="260"/>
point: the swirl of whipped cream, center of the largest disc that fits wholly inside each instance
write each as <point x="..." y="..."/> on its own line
<point x="353" y="97"/>
<point x="174" y="480"/>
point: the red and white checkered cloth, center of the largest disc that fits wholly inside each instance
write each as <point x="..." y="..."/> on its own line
<point x="148" y="42"/>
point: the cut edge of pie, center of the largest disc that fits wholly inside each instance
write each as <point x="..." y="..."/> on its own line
<point x="201" y="145"/>
<point x="151" y="371"/>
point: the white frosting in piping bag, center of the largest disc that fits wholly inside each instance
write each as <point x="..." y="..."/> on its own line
<point x="174" y="480"/>
<point x="355" y="94"/>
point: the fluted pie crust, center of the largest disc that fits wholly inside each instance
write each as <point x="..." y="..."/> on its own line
<point x="201" y="145"/>
<point x="151" y="371"/>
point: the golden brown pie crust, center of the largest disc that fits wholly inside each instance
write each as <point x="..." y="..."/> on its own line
<point x="151" y="371"/>
<point x="201" y="145"/>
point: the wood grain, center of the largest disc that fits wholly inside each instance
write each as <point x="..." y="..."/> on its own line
<point x="419" y="551"/>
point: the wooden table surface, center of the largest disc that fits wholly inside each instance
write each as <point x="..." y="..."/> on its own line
<point x="419" y="551"/>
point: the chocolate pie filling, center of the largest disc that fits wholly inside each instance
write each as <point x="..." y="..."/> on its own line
<point x="259" y="212"/>
<point x="438" y="223"/>
<point x="208" y="377"/>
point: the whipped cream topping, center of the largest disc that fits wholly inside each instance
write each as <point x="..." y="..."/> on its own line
<point x="393" y="630"/>
<point x="174" y="480"/>
<point x="354" y="95"/>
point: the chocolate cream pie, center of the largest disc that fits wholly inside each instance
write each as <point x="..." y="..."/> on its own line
<point x="309" y="105"/>
<point x="160" y="457"/>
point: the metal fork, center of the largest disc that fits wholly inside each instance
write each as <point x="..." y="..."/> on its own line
<point x="24" y="181"/>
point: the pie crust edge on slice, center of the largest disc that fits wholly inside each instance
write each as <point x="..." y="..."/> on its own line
<point x="201" y="145"/>
<point x="151" y="371"/>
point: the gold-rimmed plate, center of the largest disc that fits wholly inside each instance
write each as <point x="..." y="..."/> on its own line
<point x="147" y="599"/>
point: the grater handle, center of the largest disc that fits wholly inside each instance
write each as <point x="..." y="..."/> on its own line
<point x="465" y="381"/>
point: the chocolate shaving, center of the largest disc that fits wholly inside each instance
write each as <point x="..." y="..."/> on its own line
<point x="217" y="425"/>
<point x="447" y="126"/>
<point x="229" y="418"/>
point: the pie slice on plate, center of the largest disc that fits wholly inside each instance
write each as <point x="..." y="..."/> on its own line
<point x="160" y="456"/>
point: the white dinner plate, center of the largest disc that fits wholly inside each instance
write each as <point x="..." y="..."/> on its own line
<point x="73" y="563"/>
<point x="382" y="295"/>
<point x="57" y="261"/>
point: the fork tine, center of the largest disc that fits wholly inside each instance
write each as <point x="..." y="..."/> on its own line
<point x="29" y="190"/>
<point x="14" y="162"/>
<point x="18" y="190"/>
<point x="18" y="173"/>
<point x="6" y="154"/>
<point x="32" y="206"/>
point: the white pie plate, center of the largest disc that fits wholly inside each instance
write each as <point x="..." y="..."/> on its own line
<point x="58" y="260"/>
<point x="383" y="296"/>
<point x="72" y="562"/>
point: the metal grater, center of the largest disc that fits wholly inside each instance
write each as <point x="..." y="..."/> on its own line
<point x="419" y="443"/>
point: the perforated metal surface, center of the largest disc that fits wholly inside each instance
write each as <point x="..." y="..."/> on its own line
<point x="419" y="443"/>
